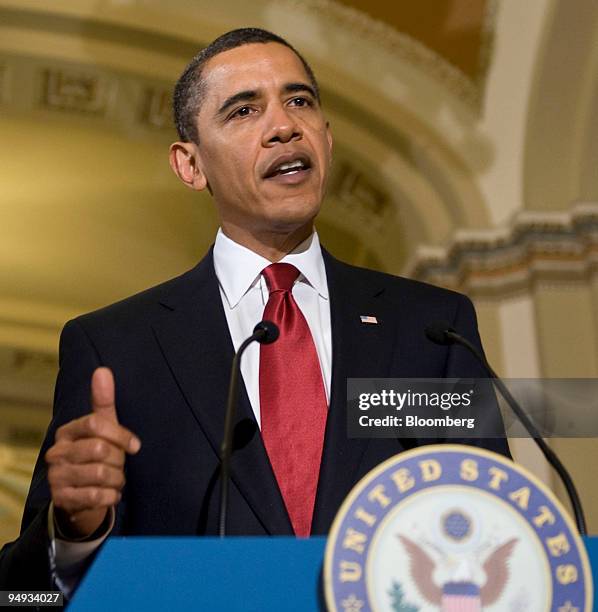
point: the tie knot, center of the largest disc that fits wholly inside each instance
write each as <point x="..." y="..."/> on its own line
<point x="280" y="276"/>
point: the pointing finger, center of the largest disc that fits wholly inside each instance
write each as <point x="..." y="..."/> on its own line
<point x="102" y="394"/>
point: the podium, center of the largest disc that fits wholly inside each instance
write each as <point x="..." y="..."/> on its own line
<point x="249" y="574"/>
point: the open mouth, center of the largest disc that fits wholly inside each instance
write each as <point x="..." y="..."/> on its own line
<point x="288" y="167"/>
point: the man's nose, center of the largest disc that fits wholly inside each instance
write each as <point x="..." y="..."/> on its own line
<point x="282" y="127"/>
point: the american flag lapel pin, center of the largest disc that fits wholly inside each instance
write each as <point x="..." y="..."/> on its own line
<point x="369" y="319"/>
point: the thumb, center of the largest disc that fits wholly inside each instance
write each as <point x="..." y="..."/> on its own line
<point x="102" y="393"/>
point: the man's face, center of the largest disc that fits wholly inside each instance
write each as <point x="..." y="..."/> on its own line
<point x="264" y="145"/>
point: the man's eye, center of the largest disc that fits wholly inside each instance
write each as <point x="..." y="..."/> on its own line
<point x="300" y="101"/>
<point x="242" y="112"/>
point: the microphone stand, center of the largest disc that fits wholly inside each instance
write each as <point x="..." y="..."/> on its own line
<point x="451" y="337"/>
<point x="264" y="332"/>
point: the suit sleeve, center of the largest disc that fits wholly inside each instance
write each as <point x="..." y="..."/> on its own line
<point x="25" y="563"/>
<point x="462" y="364"/>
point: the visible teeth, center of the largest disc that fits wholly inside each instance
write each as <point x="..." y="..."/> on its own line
<point x="291" y="165"/>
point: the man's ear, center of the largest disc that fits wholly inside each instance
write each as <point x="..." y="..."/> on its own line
<point x="185" y="163"/>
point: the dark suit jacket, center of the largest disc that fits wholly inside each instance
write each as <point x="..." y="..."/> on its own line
<point x="170" y="350"/>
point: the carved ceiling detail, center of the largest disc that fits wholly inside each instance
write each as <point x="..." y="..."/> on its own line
<point x="158" y="107"/>
<point x="360" y="197"/>
<point x="538" y="247"/>
<point x="33" y="363"/>
<point x="16" y="467"/>
<point x="407" y="48"/>
<point x="74" y="90"/>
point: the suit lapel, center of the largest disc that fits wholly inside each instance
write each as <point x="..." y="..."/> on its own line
<point x="358" y="350"/>
<point x="196" y="343"/>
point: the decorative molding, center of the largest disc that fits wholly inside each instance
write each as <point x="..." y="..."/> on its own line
<point x="20" y="363"/>
<point x="24" y="403"/>
<point x="33" y="361"/>
<point x="408" y="48"/>
<point x="538" y="247"/>
<point x="26" y="382"/>
<point x="359" y="197"/>
<point x="19" y="435"/>
<point x="75" y="90"/>
<point x="157" y="111"/>
<point x="16" y="468"/>
<point x="122" y="100"/>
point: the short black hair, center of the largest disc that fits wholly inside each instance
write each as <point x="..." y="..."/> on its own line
<point x="189" y="89"/>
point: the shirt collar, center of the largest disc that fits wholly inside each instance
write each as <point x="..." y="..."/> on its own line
<point x="238" y="268"/>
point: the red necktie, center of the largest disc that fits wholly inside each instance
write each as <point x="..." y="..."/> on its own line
<point x="293" y="403"/>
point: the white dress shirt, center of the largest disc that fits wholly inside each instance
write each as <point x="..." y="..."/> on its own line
<point x="244" y="296"/>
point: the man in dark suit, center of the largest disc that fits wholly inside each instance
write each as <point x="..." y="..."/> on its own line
<point x="139" y="454"/>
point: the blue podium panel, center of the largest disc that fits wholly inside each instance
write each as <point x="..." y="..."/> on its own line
<point x="591" y="543"/>
<point x="261" y="574"/>
<point x="231" y="574"/>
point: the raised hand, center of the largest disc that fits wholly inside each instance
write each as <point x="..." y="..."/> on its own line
<point x="86" y="462"/>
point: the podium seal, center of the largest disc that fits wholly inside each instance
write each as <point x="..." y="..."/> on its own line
<point x="454" y="528"/>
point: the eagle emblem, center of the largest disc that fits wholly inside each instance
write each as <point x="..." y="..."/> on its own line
<point x="459" y="590"/>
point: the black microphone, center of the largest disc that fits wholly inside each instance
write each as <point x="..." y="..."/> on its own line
<point x="265" y="332"/>
<point x="442" y="333"/>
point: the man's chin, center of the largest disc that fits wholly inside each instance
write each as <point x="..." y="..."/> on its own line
<point x="291" y="219"/>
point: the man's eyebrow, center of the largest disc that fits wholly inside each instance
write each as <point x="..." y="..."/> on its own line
<point x="241" y="96"/>
<point x="299" y="87"/>
<point x="251" y="94"/>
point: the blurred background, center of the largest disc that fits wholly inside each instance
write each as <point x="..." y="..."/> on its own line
<point x="466" y="155"/>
